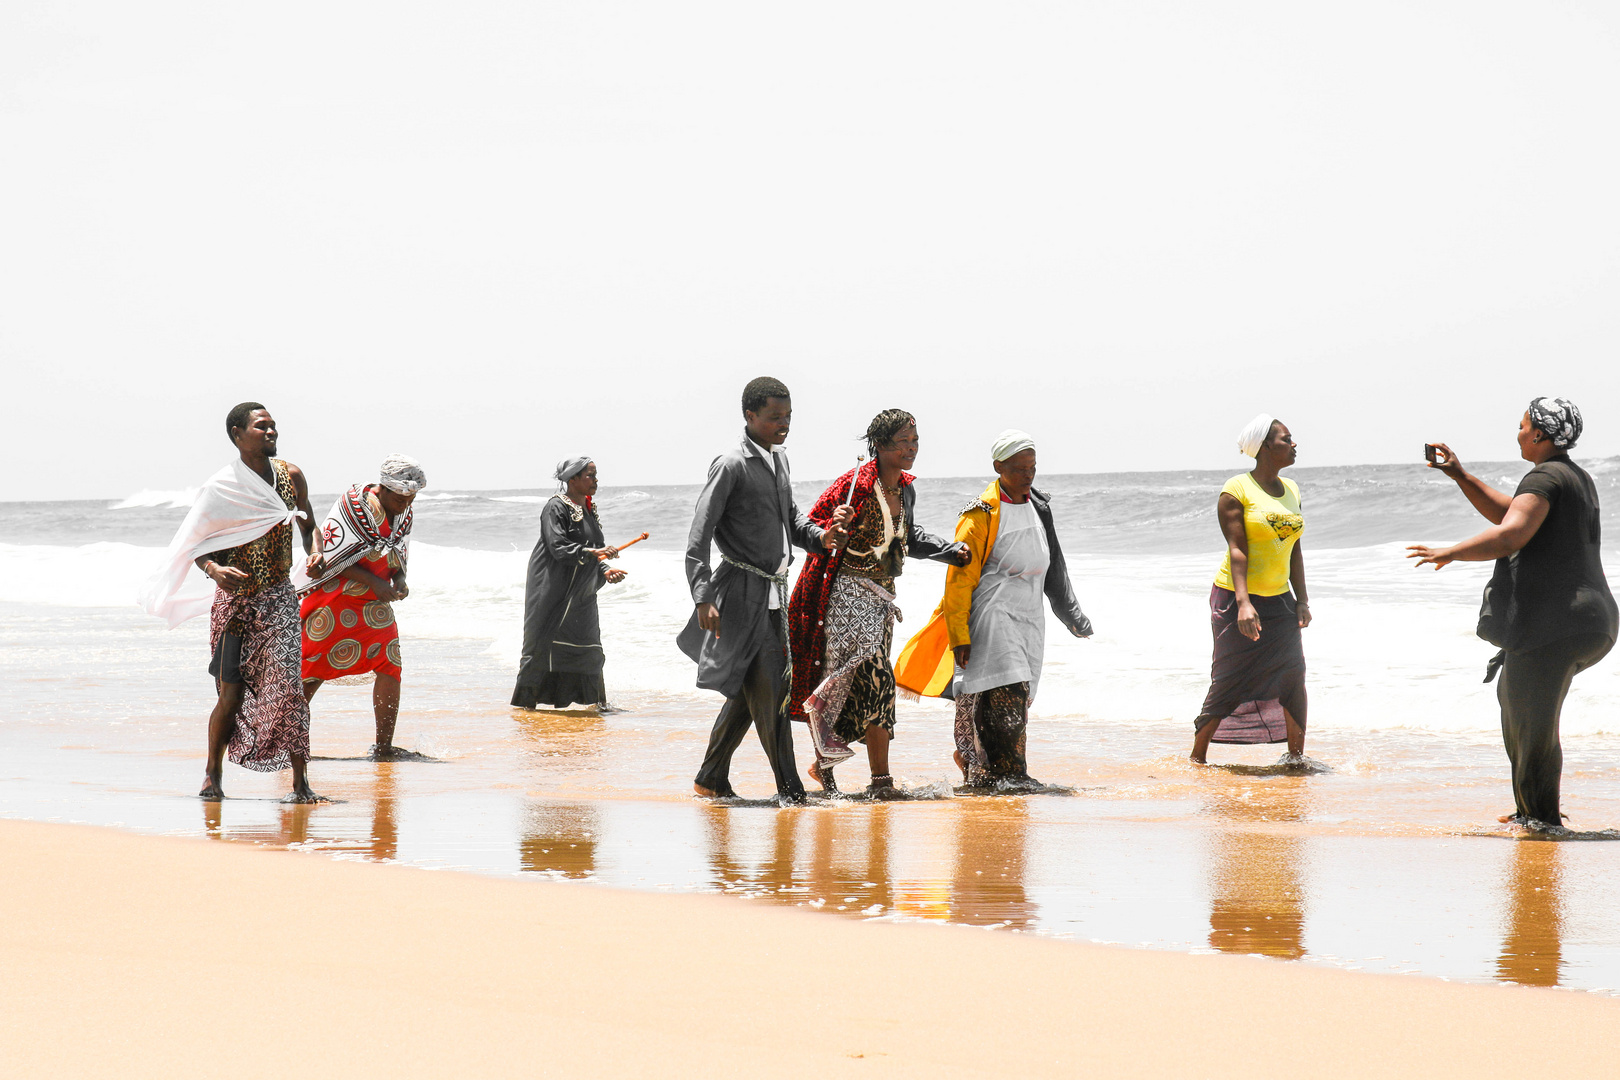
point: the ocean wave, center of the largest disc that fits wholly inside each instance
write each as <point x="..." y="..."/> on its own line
<point x="521" y="498"/>
<point x="1390" y="649"/>
<point x="147" y="498"/>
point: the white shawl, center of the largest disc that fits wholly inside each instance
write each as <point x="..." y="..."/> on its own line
<point x="234" y="507"/>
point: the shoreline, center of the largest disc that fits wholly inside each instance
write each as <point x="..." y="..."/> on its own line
<point x="121" y="948"/>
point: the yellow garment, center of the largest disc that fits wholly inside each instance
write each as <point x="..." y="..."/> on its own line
<point x="926" y="664"/>
<point x="1272" y="525"/>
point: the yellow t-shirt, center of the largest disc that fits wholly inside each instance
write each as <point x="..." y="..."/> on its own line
<point x="1273" y="524"/>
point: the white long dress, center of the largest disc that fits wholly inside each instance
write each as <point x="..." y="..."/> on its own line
<point x="1007" y="622"/>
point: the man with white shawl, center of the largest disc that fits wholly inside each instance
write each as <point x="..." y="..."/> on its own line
<point x="348" y="608"/>
<point x="239" y="536"/>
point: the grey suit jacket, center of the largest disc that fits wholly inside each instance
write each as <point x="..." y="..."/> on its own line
<point x="742" y="510"/>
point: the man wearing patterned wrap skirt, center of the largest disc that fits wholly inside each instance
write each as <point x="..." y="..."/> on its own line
<point x="253" y="626"/>
<point x="348" y="614"/>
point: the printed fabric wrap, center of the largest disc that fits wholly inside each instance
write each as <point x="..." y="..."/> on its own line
<point x="272" y="725"/>
<point x="1558" y="419"/>
<point x="356" y="529"/>
<point x="348" y="630"/>
<point x="807" y="610"/>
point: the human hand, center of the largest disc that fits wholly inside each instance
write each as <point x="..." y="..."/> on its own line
<point x="315" y="565"/>
<point x="385" y="591"/>
<point x="708" y="617"/>
<point x="1303" y="607"/>
<point x="1426" y="555"/>
<point x="1448" y="462"/>
<point x="615" y="576"/>
<point x="834" y="539"/>
<point x="604" y="552"/>
<point x="228" y="578"/>
<point x="961" y="555"/>
<point x="1248" y="621"/>
<point x="401" y="588"/>
<point x="843" y="515"/>
<point x="963" y="654"/>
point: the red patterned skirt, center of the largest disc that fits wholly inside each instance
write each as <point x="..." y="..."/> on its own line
<point x="348" y="631"/>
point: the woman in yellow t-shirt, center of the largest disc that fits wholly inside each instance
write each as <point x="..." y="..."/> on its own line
<point x="1257" y="678"/>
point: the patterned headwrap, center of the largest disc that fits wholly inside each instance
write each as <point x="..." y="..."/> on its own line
<point x="1254" y="434"/>
<point x="402" y="475"/>
<point x="569" y="468"/>
<point x="1559" y="418"/>
<point x="1010" y="442"/>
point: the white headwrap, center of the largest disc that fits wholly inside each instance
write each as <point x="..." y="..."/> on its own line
<point x="1010" y="442"/>
<point x="1253" y="435"/>
<point x="403" y="475"/>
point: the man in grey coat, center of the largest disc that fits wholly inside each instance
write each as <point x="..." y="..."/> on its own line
<point x="747" y="510"/>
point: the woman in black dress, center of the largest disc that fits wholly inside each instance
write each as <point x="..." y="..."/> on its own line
<point x="562" y="636"/>
<point x="1548" y="605"/>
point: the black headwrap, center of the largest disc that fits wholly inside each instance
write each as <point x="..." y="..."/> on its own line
<point x="1559" y="418"/>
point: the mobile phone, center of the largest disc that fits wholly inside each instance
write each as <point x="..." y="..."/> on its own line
<point x="1431" y="453"/>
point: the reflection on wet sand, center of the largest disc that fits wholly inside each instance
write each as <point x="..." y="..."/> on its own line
<point x="1532" y="942"/>
<point x="556" y="734"/>
<point x="560" y="839"/>
<point x="384" y="828"/>
<point x="1257" y="898"/>
<point x="988" y="886"/>
<point x="290" y="825"/>
<point x="840" y="859"/>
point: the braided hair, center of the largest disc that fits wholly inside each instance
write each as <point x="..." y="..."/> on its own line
<point x="884" y="427"/>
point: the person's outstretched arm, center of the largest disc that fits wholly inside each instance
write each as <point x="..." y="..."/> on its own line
<point x="1491" y="504"/>
<point x="810" y="536"/>
<point x="1524" y="517"/>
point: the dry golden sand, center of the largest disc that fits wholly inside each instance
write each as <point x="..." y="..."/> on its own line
<point x="130" y="956"/>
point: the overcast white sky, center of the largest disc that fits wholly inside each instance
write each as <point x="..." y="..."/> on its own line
<point x="493" y="234"/>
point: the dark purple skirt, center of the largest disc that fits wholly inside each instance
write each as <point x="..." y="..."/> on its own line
<point x="1252" y="682"/>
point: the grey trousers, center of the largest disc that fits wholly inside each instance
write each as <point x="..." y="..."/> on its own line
<point x="1531" y="693"/>
<point x="759" y="703"/>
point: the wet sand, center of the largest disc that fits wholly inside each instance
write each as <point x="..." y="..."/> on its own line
<point x="1390" y="862"/>
<point x="131" y="956"/>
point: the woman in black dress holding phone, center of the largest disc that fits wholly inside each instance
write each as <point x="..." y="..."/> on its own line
<point x="1548" y="607"/>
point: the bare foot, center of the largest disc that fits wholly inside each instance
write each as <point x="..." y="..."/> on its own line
<point x="394" y="753"/>
<point x="304" y="795"/>
<point x="212" y="790"/>
<point x="960" y="764"/>
<point x="1196" y="760"/>
<point x="1509" y="819"/>
<point x="884" y="791"/>
<point x="708" y="793"/>
<point x="828" y="784"/>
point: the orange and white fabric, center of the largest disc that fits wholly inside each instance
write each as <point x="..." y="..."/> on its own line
<point x="347" y="629"/>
